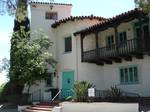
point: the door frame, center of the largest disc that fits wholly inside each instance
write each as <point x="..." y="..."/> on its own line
<point x="62" y="78"/>
<point x="67" y="71"/>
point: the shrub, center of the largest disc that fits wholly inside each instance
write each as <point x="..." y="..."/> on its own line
<point x="114" y="94"/>
<point x="81" y="91"/>
<point x="12" y="93"/>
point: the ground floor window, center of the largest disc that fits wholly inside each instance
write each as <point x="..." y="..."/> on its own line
<point x="129" y="75"/>
<point x="49" y="80"/>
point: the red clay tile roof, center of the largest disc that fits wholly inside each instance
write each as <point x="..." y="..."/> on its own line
<point x="51" y="3"/>
<point x="72" y="18"/>
<point x="127" y="16"/>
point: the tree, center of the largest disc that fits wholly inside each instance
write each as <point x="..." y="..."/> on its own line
<point x="4" y="65"/>
<point x="27" y="57"/>
<point x="10" y="6"/>
<point x="21" y="21"/>
<point x="32" y="58"/>
<point x="144" y="4"/>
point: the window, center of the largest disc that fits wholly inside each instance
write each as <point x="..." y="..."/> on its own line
<point x="51" y="15"/>
<point x="129" y="75"/>
<point x="49" y="81"/>
<point x="68" y="44"/>
<point x="122" y="37"/>
<point x="110" y="40"/>
<point x="137" y="31"/>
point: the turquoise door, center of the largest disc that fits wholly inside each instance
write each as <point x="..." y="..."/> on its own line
<point x="67" y="84"/>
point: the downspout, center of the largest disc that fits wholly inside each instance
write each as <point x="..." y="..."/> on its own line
<point x="77" y="59"/>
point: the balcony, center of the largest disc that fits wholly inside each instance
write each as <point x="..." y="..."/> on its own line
<point x="116" y="52"/>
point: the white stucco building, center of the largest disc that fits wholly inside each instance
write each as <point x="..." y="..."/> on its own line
<point x="104" y="52"/>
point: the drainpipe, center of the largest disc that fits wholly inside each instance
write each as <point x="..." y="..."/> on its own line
<point x="77" y="59"/>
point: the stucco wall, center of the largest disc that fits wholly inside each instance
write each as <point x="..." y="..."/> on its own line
<point x="112" y="76"/>
<point x="90" y="72"/>
<point x="89" y="42"/>
<point x="98" y="107"/>
<point x="69" y="61"/>
<point x="101" y="76"/>
<point x="38" y="21"/>
<point x="108" y="75"/>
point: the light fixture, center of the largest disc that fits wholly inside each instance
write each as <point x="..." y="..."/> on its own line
<point x="51" y="6"/>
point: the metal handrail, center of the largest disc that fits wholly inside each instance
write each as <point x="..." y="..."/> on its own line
<point x="56" y="95"/>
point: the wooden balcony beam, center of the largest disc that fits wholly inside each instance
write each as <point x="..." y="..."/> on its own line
<point x="116" y="59"/>
<point x="126" y="57"/>
<point x="105" y="60"/>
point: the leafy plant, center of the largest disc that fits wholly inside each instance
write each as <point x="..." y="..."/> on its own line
<point x="81" y="91"/>
<point x="31" y="58"/>
<point x="114" y="93"/>
<point x="144" y="4"/>
<point x="69" y="98"/>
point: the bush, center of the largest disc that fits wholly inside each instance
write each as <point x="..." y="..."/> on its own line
<point x="114" y="94"/>
<point x="12" y="93"/>
<point x="11" y="88"/>
<point x="18" y="99"/>
<point x="81" y="91"/>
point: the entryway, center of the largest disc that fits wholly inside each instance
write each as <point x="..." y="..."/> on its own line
<point x="67" y="84"/>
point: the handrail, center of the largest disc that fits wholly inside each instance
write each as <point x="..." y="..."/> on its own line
<point x="130" y="94"/>
<point x="56" y="95"/>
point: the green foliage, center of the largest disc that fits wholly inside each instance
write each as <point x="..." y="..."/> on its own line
<point x="69" y="98"/>
<point x="31" y="57"/>
<point x="4" y="65"/>
<point x="144" y="4"/>
<point x="11" y="88"/>
<point x="114" y="93"/>
<point x="1" y="88"/>
<point x="81" y="91"/>
<point x="10" y="92"/>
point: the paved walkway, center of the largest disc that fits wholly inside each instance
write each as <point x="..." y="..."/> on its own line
<point x="8" y="110"/>
<point x="8" y="107"/>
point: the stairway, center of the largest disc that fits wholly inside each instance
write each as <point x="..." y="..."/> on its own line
<point x="41" y="107"/>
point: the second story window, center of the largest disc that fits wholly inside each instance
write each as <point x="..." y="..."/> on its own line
<point x="68" y="44"/>
<point x="51" y="15"/>
<point x="122" y="37"/>
<point x="110" y="40"/>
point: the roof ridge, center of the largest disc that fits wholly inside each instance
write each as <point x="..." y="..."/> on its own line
<point x="72" y="18"/>
<point x="51" y="3"/>
<point x="106" y="21"/>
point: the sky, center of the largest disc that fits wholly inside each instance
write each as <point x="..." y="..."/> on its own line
<point x="104" y="8"/>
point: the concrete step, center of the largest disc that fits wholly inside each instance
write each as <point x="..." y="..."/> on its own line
<point x="31" y="110"/>
<point x="42" y="107"/>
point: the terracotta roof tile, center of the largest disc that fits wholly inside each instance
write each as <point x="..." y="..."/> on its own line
<point x="72" y="18"/>
<point x="112" y="20"/>
<point x="51" y="3"/>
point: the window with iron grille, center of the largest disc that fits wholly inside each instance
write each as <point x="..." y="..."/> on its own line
<point x="51" y="15"/>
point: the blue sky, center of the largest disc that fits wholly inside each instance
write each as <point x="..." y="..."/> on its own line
<point x="104" y="8"/>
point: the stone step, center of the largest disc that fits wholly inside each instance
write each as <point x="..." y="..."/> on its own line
<point x="31" y="110"/>
<point x="42" y="107"/>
